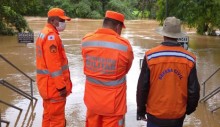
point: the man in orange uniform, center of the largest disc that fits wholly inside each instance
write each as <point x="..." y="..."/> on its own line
<point x="107" y="59"/>
<point x="168" y="86"/>
<point x="53" y="75"/>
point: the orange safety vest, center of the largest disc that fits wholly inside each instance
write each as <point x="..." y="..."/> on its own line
<point x="170" y="67"/>
<point x="52" y="64"/>
<point x="107" y="59"/>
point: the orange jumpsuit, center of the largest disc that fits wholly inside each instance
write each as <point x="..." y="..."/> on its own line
<point x="52" y="75"/>
<point x="107" y="59"/>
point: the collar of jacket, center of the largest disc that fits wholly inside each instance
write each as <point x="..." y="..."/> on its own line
<point x="106" y="31"/>
<point x="171" y="43"/>
<point x="52" y="28"/>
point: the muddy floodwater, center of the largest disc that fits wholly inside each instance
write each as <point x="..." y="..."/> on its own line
<point x="142" y="37"/>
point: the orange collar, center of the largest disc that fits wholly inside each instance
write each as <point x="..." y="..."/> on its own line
<point x="52" y="27"/>
<point x="106" y="31"/>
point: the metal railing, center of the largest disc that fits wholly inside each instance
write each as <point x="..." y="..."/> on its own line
<point x="15" y="107"/>
<point x="15" y="89"/>
<point x="204" y="85"/>
<point x="211" y="94"/>
<point x="215" y="109"/>
<point x="6" y="122"/>
<point x="31" y="80"/>
<point x="3" y="121"/>
<point x="10" y="105"/>
<point x="19" y="91"/>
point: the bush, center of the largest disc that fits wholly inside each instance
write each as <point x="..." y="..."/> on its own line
<point x="12" y="22"/>
<point x="120" y="6"/>
<point x="95" y="15"/>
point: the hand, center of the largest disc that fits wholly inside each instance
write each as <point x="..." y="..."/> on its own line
<point x="141" y="112"/>
<point x="139" y="117"/>
<point x="63" y="92"/>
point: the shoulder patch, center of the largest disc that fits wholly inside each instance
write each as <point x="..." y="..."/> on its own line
<point x="51" y="37"/>
<point x="53" y="48"/>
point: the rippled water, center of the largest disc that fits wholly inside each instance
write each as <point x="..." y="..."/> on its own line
<point x="142" y="37"/>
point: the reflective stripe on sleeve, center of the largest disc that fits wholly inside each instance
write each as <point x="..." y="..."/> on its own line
<point x="53" y="74"/>
<point x="105" y="44"/>
<point x="170" y="53"/>
<point x="41" y="35"/>
<point x="56" y="73"/>
<point x="45" y="72"/>
<point x="65" y="67"/>
<point x="106" y="83"/>
<point x="57" y="100"/>
<point x="121" y="122"/>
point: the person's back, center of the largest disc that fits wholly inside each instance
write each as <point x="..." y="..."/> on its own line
<point x="107" y="59"/>
<point x="168" y="87"/>
<point x="169" y="68"/>
<point x="109" y="51"/>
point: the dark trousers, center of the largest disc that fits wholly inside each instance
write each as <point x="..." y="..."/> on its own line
<point x="150" y="124"/>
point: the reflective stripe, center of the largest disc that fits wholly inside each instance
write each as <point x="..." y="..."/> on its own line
<point x="106" y="83"/>
<point x="121" y="122"/>
<point x="57" y="100"/>
<point x="45" y="72"/>
<point x="41" y="35"/>
<point x="65" y="67"/>
<point x="170" y="53"/>
<point x="56" y="73"/>
<point x="105" y="44"/>
<point x="53" y="74"/>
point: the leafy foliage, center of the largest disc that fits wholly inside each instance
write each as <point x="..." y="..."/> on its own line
<point x="11" y="21"/>
<point x="145" y="8"/>
<point x="120" y="6"/>
<point x="201" y="14"/>
<point x="204" y="15"/>
<point x="83" y="9"/>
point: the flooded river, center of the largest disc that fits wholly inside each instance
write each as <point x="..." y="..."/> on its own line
<point x="142" y="37"/>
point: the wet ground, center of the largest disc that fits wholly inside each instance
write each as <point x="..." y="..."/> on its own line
<point x="142" y="37"/>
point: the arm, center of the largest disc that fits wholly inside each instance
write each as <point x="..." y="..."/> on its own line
<point x="53" y="60"/>
<point x="143" y="90"/>
<point x="193" y="92"/>
<point x="130" y="58"/>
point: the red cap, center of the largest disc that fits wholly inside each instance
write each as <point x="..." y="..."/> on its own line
<point x="58" y="12"/>
<point x="116" y="16"/>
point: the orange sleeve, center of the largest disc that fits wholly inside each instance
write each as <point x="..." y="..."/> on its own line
<point x="130" y="56"/>
<point x="52" y="54"/>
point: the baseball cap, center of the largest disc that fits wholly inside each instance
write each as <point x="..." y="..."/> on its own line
<point x="116" y="16"/>
<point x="58" y="12"/>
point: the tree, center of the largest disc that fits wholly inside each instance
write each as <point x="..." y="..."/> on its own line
<point x="121" y="6"/>
<point x="88" y="9"/>
<point x="145" y="9"/>
<point x="12" y="11"/>
<point x="204" y="15"/>
<point x="11" y="19"/>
